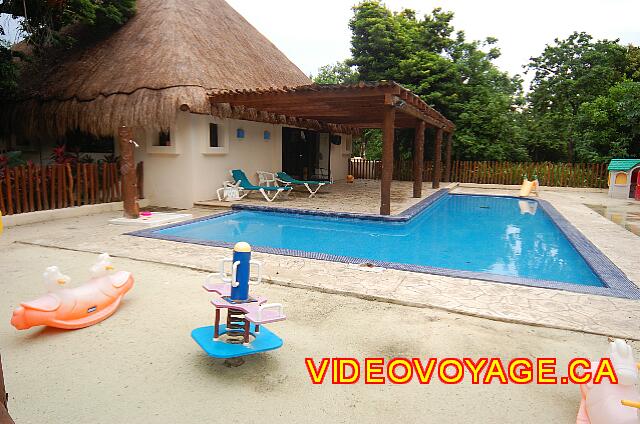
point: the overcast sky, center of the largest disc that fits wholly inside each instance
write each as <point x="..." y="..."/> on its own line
<point x="314" y="33"/>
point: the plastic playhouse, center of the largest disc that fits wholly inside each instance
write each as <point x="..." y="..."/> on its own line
<point x="244" y="333"/>
<point x="79" y="307"/>
<point x="623" y="179"/>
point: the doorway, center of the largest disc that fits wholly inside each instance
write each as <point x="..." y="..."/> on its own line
<point x="634" y="182"/>
<point x="305" y="153"/>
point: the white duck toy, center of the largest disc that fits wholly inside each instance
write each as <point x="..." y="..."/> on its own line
<point x="54" y="280"/>
<point x="103" y="267"/>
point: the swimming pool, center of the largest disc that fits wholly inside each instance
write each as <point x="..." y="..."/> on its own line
<point x="493" y="238"/>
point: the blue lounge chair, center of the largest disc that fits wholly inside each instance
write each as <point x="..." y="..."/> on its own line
<point x="289" y="181"/>
<point x="241" y="182"/>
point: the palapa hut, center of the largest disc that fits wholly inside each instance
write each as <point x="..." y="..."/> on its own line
<point x="205" y="92"/>
<point x="154" y="74"/>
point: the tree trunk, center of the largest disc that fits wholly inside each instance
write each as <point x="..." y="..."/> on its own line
<point x="128" y="172"/>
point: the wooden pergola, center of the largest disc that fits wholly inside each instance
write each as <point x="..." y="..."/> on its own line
<point x="348" y="109"/>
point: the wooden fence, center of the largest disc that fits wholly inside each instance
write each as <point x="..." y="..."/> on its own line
<point x="594" y="175"/>
<point x="32" y="188"/>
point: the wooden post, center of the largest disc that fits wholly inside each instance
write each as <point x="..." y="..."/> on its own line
<point x="216" y="325"/>
<point x="447" y="169"/>
<point x="437" y="160"/>
<point x="140" y="174"/>
<point x="128" y="172"/>
<point x="4" y="415"/>
<point x="418" y="159"/>
<point x="387" y="160"/>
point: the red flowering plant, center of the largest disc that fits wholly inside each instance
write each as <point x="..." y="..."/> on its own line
<point x="60" y="156"/>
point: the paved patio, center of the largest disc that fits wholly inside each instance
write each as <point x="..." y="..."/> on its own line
<point x="543" y="307"/>
<point x="361" y="196"/>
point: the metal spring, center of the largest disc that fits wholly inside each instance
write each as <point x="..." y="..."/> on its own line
<point x="235" y="326"/>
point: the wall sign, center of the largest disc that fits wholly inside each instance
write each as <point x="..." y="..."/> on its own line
<point x="240" y="133"/>
<point x="267" y="135"/>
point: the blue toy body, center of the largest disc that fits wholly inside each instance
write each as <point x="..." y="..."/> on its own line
<point x="243" y="270"/>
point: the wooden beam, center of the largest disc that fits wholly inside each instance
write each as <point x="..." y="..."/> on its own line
<point x="306" y="94"/>
<point x="128" y="171"/>
<point x="387" y="160"/>
<point x="437" y="159"/>
<point x="447" y="169"/>
<point x="418" y="159"/>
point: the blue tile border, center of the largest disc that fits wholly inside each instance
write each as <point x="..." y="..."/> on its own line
<point x="617" y="283"/>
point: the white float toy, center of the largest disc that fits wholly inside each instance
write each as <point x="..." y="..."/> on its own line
<point x="607" y="403"/>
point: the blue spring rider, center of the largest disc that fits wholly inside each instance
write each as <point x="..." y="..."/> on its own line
<point x="243" y="334"/>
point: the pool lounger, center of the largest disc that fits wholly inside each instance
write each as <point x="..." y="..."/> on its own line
<point x="242" y="183"/>
<point x="288" y="181"/>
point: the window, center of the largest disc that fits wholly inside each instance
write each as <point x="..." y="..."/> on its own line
<point x="164" y="138"/>
<point x="217" y="142"/>
<point x="213" y="135"/>
<point x="621" y="178"/>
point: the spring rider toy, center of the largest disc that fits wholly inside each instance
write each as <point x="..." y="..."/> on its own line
<point x="244" y="333"/>
<point x="607" y="403"/>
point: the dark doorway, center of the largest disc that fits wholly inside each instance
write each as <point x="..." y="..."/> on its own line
<point x="634" y="182"/>
<point x="301" y="153"/>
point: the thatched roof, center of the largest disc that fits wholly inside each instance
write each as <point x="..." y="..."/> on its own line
<point x="166" y="57"/>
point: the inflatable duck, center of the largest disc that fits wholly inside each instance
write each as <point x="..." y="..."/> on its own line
<point x="607" y="403"/>
<point x="79" y="307"/>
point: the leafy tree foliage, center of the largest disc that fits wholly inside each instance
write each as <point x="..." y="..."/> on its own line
<point x="609" y="125"/>
<point x="582" y="105"/>
<point x="42" y="21"/>
<point x="43" y="24"/>
<point x="569" y="73"/>
<point x="454" y="75"/>
<point x="338" y="73"/>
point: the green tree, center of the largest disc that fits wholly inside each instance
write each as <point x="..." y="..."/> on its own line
<point x="43" y="21"/>
<point x="568" y="73"/>
<point x="454" y="75"/>
<point x="43" y="24"/>
<point x="609" y="125"/>
<point x="338" y="73"/>
<point x="633" y="62"/>
<point x="8" y="72"/>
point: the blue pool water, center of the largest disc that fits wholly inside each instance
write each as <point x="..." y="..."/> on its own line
<point x="496" y="235"/>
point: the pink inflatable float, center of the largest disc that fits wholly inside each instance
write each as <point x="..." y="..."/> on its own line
<point x="607" y="403"/>
<point x="79" y="307"/>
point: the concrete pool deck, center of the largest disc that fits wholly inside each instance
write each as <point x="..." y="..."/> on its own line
<point x="141" y="366"/>
<point x="511" y="303"/>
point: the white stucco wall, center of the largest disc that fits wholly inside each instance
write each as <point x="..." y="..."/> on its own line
<point x="252" y="153"/>
<point x="168" y="171"/>
<point x="189" y="170"/>
<point x="340" y="156"/>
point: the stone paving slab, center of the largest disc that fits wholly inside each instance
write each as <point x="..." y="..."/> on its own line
<point x="361" y="196"/>
<point x="511" y="303"/>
